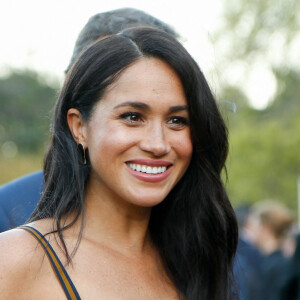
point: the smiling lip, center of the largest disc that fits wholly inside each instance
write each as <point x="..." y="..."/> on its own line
<point x="151" y="163"/>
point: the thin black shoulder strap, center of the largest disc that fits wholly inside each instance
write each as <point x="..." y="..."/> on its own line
<point x="56" y="264"/>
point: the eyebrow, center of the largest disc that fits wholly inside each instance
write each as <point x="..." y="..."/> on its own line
<point x="144" y="106"/>
<point x="134" y="104"/>
<point x="178" y="108"/>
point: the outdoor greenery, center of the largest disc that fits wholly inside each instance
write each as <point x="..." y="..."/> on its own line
<point x="25" y="102"/>
<point x="264" y="159"/>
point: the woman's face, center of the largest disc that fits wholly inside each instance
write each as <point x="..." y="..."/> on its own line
<point x="138" y="137"/>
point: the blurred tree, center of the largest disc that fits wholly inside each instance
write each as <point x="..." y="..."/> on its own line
<point x="287" y="99"/>
<point x="264" y="159"/>
<point x="25" y="102"/>
<point x="260" y="30"/>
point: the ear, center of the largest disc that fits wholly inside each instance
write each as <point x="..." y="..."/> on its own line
<point x="76" y="125"/>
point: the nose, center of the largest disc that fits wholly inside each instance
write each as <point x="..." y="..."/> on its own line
<point x="155" y="141"/>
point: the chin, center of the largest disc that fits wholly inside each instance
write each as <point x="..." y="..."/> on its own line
<point x="147" y="201"/>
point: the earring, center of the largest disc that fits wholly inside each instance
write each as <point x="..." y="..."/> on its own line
<point x="82" y="150"/>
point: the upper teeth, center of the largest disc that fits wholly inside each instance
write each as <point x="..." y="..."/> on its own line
<point x="147" y="169"/>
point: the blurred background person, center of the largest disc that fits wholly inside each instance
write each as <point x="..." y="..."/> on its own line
<point x="19" y="197"/>
<point x="246" y="246"/>
<point x="248" y="258"/>
<point x="272" y="221"/>
<point x="291" y="289"/>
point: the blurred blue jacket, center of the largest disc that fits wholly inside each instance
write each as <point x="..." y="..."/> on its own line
<point x="247" y="270"/>
<point x="18" y="199"/>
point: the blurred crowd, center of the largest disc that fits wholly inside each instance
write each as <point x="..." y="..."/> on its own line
<point x="267" y="263"/>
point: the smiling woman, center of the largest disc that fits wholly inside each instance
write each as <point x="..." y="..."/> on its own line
<point x="133" y="204"/>
<point x="135" y="126"/>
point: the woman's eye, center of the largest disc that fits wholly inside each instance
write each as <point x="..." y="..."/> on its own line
<point x="131" y="117"/>
<point x="178" y="121"/>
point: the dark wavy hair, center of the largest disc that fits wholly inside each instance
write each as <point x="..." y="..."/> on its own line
<point x="194" y="228"/>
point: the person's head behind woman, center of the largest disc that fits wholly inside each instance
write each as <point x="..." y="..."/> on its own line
<point x="194" y="228"/>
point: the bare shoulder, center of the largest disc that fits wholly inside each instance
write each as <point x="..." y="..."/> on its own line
<point x="20" y="260"/>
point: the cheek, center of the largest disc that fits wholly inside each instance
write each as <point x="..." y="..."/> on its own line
<point x="184" y="147"/>
<point x="109" y="141"/>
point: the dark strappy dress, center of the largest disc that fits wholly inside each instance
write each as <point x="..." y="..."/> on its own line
<point x="58" y="268"/>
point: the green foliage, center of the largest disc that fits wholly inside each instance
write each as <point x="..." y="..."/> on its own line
<point x="264" y="156"/>
<point x="288" y="93"/>
<point x="264" y="160"/>
<point x="257" y="28"/>
<point x="19" y="165"/>
<point x="25" y="102"/>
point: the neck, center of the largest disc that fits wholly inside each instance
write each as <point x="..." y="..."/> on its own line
<point x="116" y="224"/>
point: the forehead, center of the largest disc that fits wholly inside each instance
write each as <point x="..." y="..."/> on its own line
<point x="146" y="79"/>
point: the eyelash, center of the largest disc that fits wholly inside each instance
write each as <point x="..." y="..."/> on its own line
<point x="134" y="117"/>
<point x="183" y="121"/>
<point x="129" y="115"/>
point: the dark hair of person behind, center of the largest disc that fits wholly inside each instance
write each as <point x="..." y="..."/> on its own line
<point x="194" y="228"/>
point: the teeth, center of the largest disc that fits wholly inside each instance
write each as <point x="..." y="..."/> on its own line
<point x="147" y="169"/>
